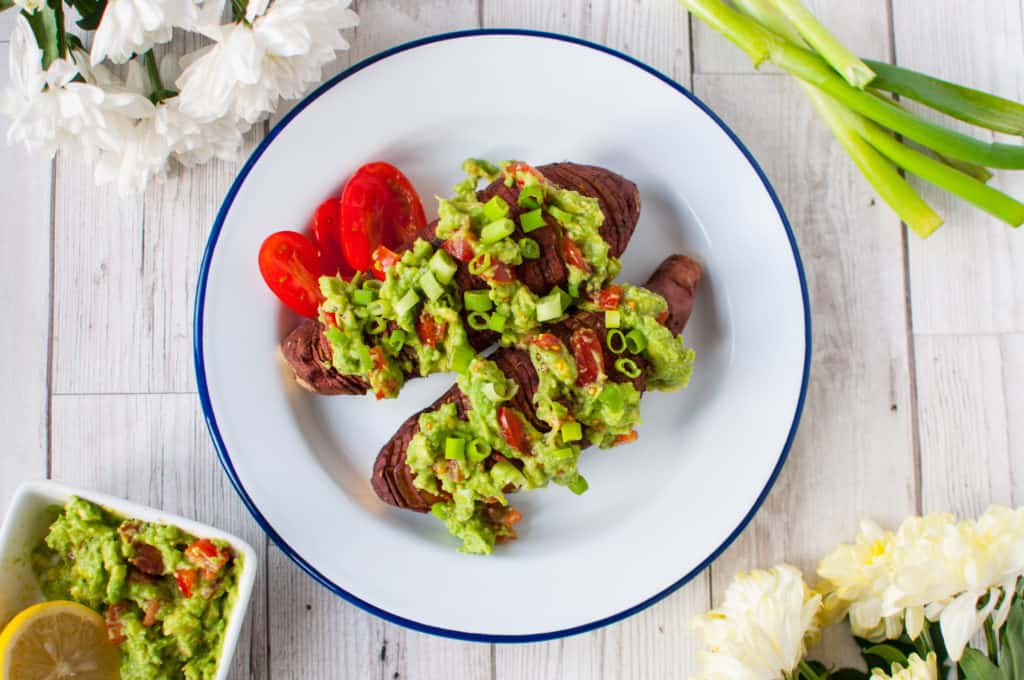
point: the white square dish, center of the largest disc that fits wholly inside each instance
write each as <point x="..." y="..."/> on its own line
<point x="26" y="524"/>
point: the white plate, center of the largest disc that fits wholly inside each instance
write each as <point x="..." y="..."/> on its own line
<point x="658" y="511"/>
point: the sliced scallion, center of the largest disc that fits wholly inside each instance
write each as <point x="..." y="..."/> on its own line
<point x="627" y="367"/>
<point x="363" y="297"/>
<point x="531" y="196"/>
<point x="460" y="358"/>
<point x="612" y="318"/>
<point x="478" y="450"/>
<point x="549" y="307"/>
<point x="477" y="321"/>
<point x="571" y="431"/>
<point x="529" y="248"/>
<point x="497" y="322"/>
<point x="578" y="485"/>
<point x="455" y="448"/>
<point x="636" y="341"/>
<point x="495" y="209"/>
<point x="532" y="220"/>
<point x="496" y="230"/>
<point x="480" y="264"/>
<point x="615" y="341"/>
<point x="477" y="300"/>
<point x="406" y="304"/>
<point x="443" y="266"/>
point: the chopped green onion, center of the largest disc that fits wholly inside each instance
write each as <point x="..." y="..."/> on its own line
<point x="504" y="473"/>
<point x="627" y="367"/>
<point x="455" y="448"/>
<point x="376" y="308"/>
<point x="430" y="286"/>
<point x="492" y="392"/>
<point x="564" y="454"/>
<point x="365" y="361"/>
<point x="549" y="307"/>
<point x="443" y="266"/>
<point x="529" y="248"/>
<point x="612" y="318"/>
<point x="578" y="485"/>
<point x="396" y="341"/>
<point x="496" y="230"/>
<point x="478" y="450"/>
<point x="408" y="301"/>
<point x="377" y="326"/>
<point x="480" y="264"/>
<point x="372" y="284"/>
<point x="636" y="341"/>
<point x="563" y="296"/>
<point x="615" y="341"/>
<point x="532" y="220"/>
<point x="559" y="214"/>
<point x="611" y="396"/>
<point x="460" y="358"/>
<point x="571" y="431"/>
<point x="477" y="321"/>
<point x="531" y="196"/>
<point x="477" y="300"/>
<point x="495" y="209"/>
<point x="497" y="322"/>
<point x="363" y="297"/>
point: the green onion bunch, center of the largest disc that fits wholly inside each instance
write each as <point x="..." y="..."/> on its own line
<point x="855" y="98"/>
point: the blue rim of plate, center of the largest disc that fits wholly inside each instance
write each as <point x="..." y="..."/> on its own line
<point x="222" y="451"/>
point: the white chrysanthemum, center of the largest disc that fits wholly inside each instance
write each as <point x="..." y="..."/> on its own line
<point x="917" y="669"/>
<point x="252" y="65"/>
<point x="761" y="630"/>
<point x="133" y="26"/>
<point x="29" y="6"/>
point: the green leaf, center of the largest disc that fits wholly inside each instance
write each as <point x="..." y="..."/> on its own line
<point x="1011" y="651"/>
<point x="887" y="653"/>
<point x="47" y="30"/>
<point x="6" y="4"/>
<point x="848" y="674"/>
<point x="976" y="666"/>
<point x="91" y="12"/>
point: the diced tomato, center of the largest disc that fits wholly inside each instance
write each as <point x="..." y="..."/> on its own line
<point x="378" y="207"/>
<point x="380" y="361"/>
<point x="586" y="349"/>
<point x="431" y="331"/>
<point x="662" y="318"/>
<point x="115" y="629"/>
<point x="548" y="341"/>
<point x="573" y="254"/>
<point x="459" y="248"/>
<point x="609" y="297"/>
<point x="512" y="428"/>
<point x="210" y="559"/>
<point x="290" y="265"/>
<point x="515" y="168"/>
<point x="187" y="579"/>
<point x="501" y="273"/>
<point x="626" y="438"/>
<point x="383" y="259"/>
<point x="327" y="233"/>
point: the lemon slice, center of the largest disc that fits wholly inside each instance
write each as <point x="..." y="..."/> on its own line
<point x="57" y="640"/>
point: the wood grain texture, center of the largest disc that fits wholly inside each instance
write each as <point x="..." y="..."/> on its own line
<point x="857" y="418"/>
<point x="656" y="33"/>
<point x="7" y="20"/>
<point x="862" y="26"/>
<point x="969" y="276"/>
<point x="965" y="402"/>
<point x="154" y="450"/>
<point x="25" y="299"/>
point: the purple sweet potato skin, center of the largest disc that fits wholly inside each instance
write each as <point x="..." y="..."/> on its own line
<point x="676" y="279"/>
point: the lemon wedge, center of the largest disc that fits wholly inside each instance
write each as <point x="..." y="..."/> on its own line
<point x="57" y="641"/>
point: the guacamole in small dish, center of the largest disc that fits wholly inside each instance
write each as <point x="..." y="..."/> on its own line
<point x="166" y="595"/>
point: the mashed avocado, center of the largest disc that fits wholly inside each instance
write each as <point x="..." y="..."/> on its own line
<point x="475" y="462"/>
<point x="414" y="322"/>
<point x="166" y="595"/>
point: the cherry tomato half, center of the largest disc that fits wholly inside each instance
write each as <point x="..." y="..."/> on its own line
<point x="512" y="428"/>
<point x="290" y="266"/>
<point x="586" y="349"/>
<point x="327" y="232"/>
<point x="378" y="207"/>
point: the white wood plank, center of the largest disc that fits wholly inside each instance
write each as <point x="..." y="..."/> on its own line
<point x="862" y="26"/>
<point x="965" y="407"/>
<point x="315" y="634"/>
<point x="25" y="301"/>
<point x="656" y="33"/>
<point x="154" y="449"/>
<point x="969" y="276"/>
<point x="7" y="20"/>
<point x="1012" y="350"/>
<point x="857" y="418"/>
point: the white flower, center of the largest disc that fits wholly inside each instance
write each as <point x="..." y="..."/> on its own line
<point x="761" y="630"/>
<point x="917" y="669"/>
<point x="133" y="26"/>
<point x="29" y="6"/>
<point x="254" y="64"/>
<point x="48" y="108"/>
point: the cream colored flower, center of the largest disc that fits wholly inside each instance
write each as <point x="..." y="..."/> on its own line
<point x="917" y="669"/>
<point x="760" y="631"/>
<point x="130" y="27"/>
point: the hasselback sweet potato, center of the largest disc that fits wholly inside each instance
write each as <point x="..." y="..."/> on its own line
<point x="676" y="279"/>
<point x="306" y="351"/>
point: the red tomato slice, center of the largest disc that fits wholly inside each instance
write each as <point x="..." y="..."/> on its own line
<point x="573" y="254"/>
<point x="459" y="248"/>
<point x="378" y="207"/>
<point x="327" y="232"/>
<point x="430" y="331"/>
<point x="512" y="428"/>
<point x="383" y="259"/>
<point x="609" y="297"/>
<point x="290" y="266"/>
<point x="187" y="579"/>
<point x="586" y="349"/>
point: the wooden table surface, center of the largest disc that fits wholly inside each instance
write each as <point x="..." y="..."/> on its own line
<point x="915" y="399"/>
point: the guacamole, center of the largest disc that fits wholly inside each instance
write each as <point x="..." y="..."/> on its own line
<point x="476" y="461"/>
<point x="416" y="320"/>
<point x="165" y="594"/>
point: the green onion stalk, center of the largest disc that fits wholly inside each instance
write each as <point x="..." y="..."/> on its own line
<point x="853" y="96"/>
